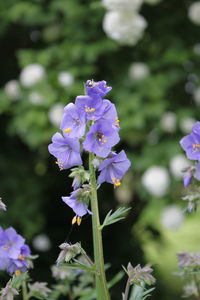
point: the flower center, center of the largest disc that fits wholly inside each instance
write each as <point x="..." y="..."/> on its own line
<point x="100" y="137"/>
<point x="67" y="130"/>
<point x="116" y="182"/>
<point x="89" y="109"/>
<point x="196" y="147"/>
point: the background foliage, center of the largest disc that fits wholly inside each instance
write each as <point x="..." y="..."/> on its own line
<point x="68" y="36"/>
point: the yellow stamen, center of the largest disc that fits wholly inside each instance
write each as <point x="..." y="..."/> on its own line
<point x="74" y="220"/>
<point x="89" y="109"/>
<point x="116" y="182"/>
<point x="117" y="122"/>
<point x="21" y="257"/>
<point x="67" y="130"/>
<point x="17" y="272"/>
<point x="79" y="221"/>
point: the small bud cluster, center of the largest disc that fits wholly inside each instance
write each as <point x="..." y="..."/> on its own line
<point x="92" y="125"/>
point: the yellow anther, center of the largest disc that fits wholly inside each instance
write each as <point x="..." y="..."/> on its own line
<point x="116" y="182"/>
<point x="67" y="130"/>
<point x="89" y="109"/>
<point x="105" y="141"/>
<point x="17" y="272"/>
<point x="21" y="257"/>
<point x="116" y="122"/>
<point x="79" y="221"/>
<point x="74" y="220"/>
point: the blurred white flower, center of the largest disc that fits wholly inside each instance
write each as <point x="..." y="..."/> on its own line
<point x="172" y="217"/>
<point x="194" y="12"/>
<point x="177" y="164"/>
<point x="56" y="113"/>
<point x="152" y="2"/>
<point x="197" y="96"/>
<point x="36" y="98"/>
<point x="122" y="4"/>
<point x="12" y="89"/>
<point x="41" y="242"/>
<point x="124" y="26"/>
<point x="168" y="121"/>
<point x="138" y="71"/>
<point x="32" y="74"/>
<point x="65" y="79"/>
<point x="186" y="124"/>
<point x="197" y="49"/>
<point x="156" y="180"/>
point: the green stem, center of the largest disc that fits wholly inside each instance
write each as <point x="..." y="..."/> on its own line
<point x="101" y="284"/>
<point x="24" y="291"/>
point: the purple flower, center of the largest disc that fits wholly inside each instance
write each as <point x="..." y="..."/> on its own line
<point x="66" y="150"/>
<point x="20" y="264"/>
<point x="191" y="143"/>
<point x="110" y="114"/>
<point x="79" y="207"/>
<point x="78" y="201"/>
<point x="10" y="243"/>
<point x="113" y="168"/>
<point x="13" y="251"/>
<point x="91" y="107"/>
<point x="189" y="172"/>
<point x="73" y="122"/>
<point x="99" y="88"/>
<point x="100" y="138"/>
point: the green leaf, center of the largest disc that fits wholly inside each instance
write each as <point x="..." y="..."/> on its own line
<point x="118" y="215"/>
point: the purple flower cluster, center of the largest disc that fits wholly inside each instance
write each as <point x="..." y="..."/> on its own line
<point x="191" y="145"/>
<point x="90" y="124"/>
<point x="13" y="252"/>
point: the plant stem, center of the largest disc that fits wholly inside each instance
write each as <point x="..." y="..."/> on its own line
<point x="100" y="277"/>
<point x="24" y="291"/>
<point x="197" y="285"/>
<point x="127" y="290"/>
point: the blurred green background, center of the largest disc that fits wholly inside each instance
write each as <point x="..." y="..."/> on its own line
<point x="48" y="50"/>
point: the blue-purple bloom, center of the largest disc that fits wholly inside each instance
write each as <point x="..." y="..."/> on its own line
<point x="13" y="251"/>
<point x="113" y="168"/>
<point x="78" y="204"/>
<point x="191" y="143"/>
<point x="90" y="107"/>
<point x="100" y="138"/>
<point x="110" y="114"/>
<point x="99" y="88"/>
<point x="73" y="122"/>
<point x="66" y="150"/>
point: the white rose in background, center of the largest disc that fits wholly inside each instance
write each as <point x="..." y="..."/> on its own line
<point x="194" y="12"/>
<point x="124" y="26"/>
<point x="12" y="89"/>
<point x="56" y="113"/>
<point x="172" y="217"/>
<point x="177" y="164"/>
<point x="32" y="74"/>
<point x="65" y="79"/>
<point x="123" y="4"/>
<point x="196" y="96"/>
<point x="138" y="71"/>
<point x="186" y="124"/>
<point x="168" y="121"/>
<point x="41" y="242"/>
<point x="36" y="98"/>
<point x="156" y="181"/>
<point x="152" y="2"/>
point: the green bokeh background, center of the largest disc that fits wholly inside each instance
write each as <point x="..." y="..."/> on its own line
<point x="69" y="37"/>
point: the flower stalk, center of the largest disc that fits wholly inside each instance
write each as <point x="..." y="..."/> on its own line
<point x="101" y="284"/>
